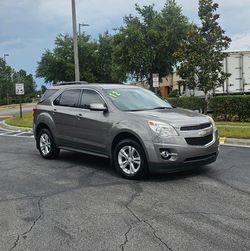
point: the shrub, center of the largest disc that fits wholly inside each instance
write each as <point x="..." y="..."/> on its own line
<point x="228" y="108"/>
<point x="192" y="103"/>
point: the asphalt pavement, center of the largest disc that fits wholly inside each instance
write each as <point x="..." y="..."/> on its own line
<point x="25" y="108"/>
<point x="78" y="202"/>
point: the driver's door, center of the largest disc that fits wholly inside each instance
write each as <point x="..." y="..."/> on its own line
<point x="92" y="126"/>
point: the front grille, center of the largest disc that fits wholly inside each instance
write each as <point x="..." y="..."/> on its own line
<point x="212" y="155"/>
<point x="199" y="141"/>
<point x="195" y="127"/>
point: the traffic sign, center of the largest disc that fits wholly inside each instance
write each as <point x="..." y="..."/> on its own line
<point x="156" y="80"/>
<point x="19" y="89"/>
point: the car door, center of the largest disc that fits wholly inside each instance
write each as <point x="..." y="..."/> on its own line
<point x="64" y="113"/>
<point x="92" y="126"/>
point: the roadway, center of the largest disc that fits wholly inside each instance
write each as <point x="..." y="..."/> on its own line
<point x="78" y="202"/>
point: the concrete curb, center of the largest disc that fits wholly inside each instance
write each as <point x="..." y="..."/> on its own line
<point x="223" y="141"/>
<point x="14" y="128"/>
<point x="235" y="142"/>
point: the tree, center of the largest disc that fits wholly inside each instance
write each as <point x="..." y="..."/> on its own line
<point x="202" y="52"/>
<point x="5" y="82"/>
<point x="95" y="60"/>
<point x="146" y="43"/>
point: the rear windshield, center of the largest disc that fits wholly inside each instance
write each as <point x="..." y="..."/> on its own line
<point x="48" y="93"/>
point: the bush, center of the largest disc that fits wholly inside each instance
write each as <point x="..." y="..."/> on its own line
<point x="227" y="108"/>
<point x="231" y="108"/>
<point x="192" y="103"/>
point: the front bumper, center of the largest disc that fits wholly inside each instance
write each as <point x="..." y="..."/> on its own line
<point x="182" y="155"/>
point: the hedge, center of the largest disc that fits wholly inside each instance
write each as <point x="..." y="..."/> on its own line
<point x="228" y="108"/>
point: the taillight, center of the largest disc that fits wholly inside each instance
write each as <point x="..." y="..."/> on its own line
<point x="34" y="110"/>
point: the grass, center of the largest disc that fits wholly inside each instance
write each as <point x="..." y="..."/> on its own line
<point x="221" y="123"/>
<point x="226" y="129"/>
<point x="26" y="121"/>
<point x="234" y="132"/>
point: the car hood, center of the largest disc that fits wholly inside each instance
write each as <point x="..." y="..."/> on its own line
<point x="177" y="117"/>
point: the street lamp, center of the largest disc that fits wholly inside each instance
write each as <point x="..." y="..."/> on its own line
<point x="4" y="57"/>
<point x="76" y="59"/>
<point x="83" y="24"/>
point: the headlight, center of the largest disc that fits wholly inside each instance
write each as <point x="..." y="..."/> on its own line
<point x="212" y="121"/>
<point x="162" y="129"/>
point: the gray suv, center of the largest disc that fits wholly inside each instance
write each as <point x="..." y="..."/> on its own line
<point x="135" y="129"/>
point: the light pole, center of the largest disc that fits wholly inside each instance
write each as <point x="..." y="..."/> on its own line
<point x="76" y="59"/>
<point x="4" y="57"/>
<point x="83" y="24"/>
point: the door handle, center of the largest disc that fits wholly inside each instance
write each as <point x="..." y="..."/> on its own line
<point x="54" y="111"/>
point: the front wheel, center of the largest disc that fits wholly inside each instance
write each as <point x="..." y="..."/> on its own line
<point x="46" y="145"/>
<point x="130" y="160"/>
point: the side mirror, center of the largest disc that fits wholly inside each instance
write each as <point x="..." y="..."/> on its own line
<point x="98" y="107"/>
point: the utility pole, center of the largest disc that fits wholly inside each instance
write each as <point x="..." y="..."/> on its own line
<point x="76" y="59"/>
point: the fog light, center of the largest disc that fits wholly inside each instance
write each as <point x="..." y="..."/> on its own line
<point x="167" y="154"/>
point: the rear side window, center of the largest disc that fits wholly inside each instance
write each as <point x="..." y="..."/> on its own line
<point x="48" y="93"/>
<point x="68" y="98"/>
<point x="90" y="97"/>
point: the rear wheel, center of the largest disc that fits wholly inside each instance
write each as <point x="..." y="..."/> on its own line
<point x="46" y="145"/>
<point x="130" y="160"/>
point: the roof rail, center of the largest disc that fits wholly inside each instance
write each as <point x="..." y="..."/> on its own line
<point x="72" y="83"/>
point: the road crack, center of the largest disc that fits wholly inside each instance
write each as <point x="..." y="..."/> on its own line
<point x="25" y="234"/>
<point x="138" y="190"/>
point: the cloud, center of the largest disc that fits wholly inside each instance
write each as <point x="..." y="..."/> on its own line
<point x="240" y="42"/>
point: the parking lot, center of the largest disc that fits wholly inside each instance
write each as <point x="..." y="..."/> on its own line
<point x="78" y="202"/>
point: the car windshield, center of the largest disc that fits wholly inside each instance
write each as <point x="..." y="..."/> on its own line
<point x="136" y="99"/>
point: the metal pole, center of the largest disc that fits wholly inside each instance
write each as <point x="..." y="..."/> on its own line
<point x="76" y="59"/>
<point x="21" y="110"/>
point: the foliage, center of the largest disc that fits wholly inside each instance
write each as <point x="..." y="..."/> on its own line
<point x="95" y="60"/>
<point x="202" y="53"/>
<point x="146" y="43"/>
<point x="8" y="78"/>
<point x="226" y="108"/>
<point x="231" y="107"/>
<point x="192" y="103"/>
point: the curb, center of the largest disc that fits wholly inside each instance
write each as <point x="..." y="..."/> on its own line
<point x="223" y="141"/>
<point x="235" y="142"/>
<point x="15" y="128"/>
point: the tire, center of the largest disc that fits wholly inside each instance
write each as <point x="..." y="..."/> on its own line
<point x="130" y="160"/>
<point x="46" y="145"/>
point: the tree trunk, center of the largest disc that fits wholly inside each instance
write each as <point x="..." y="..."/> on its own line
<point x="206" y="103"/>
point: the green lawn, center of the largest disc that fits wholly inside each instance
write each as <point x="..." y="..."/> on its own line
<point x="226" y="129"/>
<point x="26" y="121"/>
<point x="4" y="107"/>
<point x="234" y="132"/>
<point x="219" y="123"/>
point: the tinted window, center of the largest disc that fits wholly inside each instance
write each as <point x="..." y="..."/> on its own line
<point x="48" y="93"/>
<point x="68" y="98"/>
<point x="90" y="97"/>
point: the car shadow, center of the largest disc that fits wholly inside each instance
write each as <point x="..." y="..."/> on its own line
<point x="102" y="164"/>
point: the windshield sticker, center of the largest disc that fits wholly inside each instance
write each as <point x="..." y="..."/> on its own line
<point x="114" y="94"/>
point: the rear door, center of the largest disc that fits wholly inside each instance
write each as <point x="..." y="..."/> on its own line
<point x="92" y="126"/>
<point x="64" y="113"/>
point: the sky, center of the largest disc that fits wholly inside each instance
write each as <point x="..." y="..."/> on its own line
<point x="28" y="27"/>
